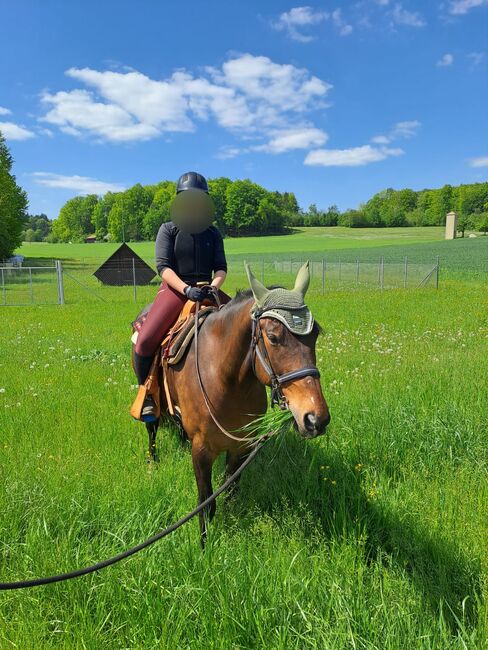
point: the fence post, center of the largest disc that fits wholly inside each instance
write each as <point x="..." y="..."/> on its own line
<point x="340" y="272"/>
<point x="59" y="276"/>
<point x="382" y="273"/>
<point x="134" y="278"/>
<point x="357" y="271"/>
<point x="437" y="273"/>
<point x="4" y="291"/>
<point x="405" y="271"/>
<point x="30" y="285"/>
<point x="323" y="277"/>
<point x="262" y="271"/>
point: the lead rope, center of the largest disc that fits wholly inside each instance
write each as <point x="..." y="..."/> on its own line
<point x="244" y="438"/>
<point x="36" y="582"/>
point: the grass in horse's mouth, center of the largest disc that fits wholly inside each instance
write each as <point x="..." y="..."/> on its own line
<point x="272" y="420"/>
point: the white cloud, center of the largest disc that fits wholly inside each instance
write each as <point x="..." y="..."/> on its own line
<point x="476" y="58"/>
<point x="354" y="157"/>
<point x="5" y="111"/>
<point x="305" y="137"/>
<point x="299" y="17"/>
<point x="80" y="184"/>
<point x="159" y="104"/>
<point x="249" y="95"/>
<point x="280" y="85"/>
<point x="344" y="28"/>
<point x="76" y="111"/>
<point x="401" y="130"/>
<point x="479" y="162"/>
<point x="13" y="131"/>
<point x="461" y="7"/>
<point x="380" y="139"/>
<point x="228" y="152"/>
<point x="445" y="61"/>
<point x="405" y="129"/>
<point x="402" y="16"/>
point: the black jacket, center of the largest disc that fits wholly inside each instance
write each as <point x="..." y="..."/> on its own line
<point x="192" y="257"/>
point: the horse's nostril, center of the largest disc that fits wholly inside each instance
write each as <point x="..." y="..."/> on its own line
<point x="310" y="421"/>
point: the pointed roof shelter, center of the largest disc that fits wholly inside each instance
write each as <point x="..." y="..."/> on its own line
<point x="124" y="267"/>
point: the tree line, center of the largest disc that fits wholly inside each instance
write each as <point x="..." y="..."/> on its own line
<point x="406" y="207"/>
<point x="241" y="208"/>
<point x="246" y="208"/>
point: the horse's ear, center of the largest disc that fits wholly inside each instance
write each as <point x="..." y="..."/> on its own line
<point x="259" y="291"/>
<point x="302" y="280"/>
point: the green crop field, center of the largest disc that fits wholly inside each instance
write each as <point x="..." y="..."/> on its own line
<point x="372" y="536"/>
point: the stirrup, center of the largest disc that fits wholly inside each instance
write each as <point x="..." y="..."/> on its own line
<point x="148" y="410"/>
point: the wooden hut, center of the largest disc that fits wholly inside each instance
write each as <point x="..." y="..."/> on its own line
<point x="124" y="267"/>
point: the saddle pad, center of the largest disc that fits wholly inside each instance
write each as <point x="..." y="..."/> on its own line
<point x="178" y="344"/>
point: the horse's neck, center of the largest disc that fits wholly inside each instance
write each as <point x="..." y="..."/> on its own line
<point x="234" y="329"/>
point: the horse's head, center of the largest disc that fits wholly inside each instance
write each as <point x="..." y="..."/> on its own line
<point x="285" y="335"/>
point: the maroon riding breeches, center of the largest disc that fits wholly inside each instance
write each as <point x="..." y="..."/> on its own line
<point x="163" y="314"/>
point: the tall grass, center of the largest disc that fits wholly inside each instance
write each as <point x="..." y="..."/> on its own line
<point x="373" y="536"/>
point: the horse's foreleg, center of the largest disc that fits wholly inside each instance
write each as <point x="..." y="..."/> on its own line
<point x="152" y="429"/>
<point x="202" y="466"/>
<point x="233" y="461"/>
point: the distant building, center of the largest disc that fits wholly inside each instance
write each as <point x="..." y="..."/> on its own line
<point x="91" y="239"/>
<point x="15" y="260"/>
<point x="451" y="225"/>
<point x="124" y="267"/>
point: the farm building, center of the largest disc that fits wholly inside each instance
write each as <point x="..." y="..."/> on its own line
<point x="124" y="267"/>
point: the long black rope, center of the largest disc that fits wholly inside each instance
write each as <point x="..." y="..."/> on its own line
<point x="23" y="584"/>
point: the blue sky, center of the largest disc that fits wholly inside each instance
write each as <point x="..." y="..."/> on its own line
<point x="332" y="100"/>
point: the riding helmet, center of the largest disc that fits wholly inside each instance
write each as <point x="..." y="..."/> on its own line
<point x="191" y="181"/>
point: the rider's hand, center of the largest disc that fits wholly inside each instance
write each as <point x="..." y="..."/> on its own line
<point x="211" y="292"/>
<point x="194" y="293"/>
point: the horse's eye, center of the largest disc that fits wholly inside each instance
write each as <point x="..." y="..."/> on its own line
<point x="273" y="339"/>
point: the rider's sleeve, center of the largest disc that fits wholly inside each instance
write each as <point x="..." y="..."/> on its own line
<point x="164" y="248"/>
<point x="220" y="263"/>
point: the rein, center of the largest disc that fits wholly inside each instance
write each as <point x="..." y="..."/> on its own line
<point x="276" y="381"/>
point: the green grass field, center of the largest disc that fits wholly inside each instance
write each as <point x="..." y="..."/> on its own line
<point x="371" y="537"/>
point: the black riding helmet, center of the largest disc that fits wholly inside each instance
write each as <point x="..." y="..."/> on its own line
<point x="191" y="181"/>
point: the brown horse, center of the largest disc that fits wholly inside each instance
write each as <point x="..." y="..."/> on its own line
<point x="239" y="353"/>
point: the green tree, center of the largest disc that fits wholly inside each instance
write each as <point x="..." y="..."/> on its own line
<point x="217" y="188"/>
<point x="13" y="204"/>
<point x="74" y="222"/>
<point x="270" y="215"/>
<point x="314" y="216"/>
<point x="331" y="216"/>
<point x="101" y="212"/>
<point x="126" y="217"/>
<point x="159" y="210"/>
<point x="241" y="215"/>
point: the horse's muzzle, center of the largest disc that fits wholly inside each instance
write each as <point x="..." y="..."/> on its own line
<point x="314" y="425"/>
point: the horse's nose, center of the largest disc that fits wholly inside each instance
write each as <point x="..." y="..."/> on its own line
<point x="315" y="425"/>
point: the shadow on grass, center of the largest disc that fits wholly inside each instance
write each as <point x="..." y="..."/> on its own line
<point x="294" y="472"/>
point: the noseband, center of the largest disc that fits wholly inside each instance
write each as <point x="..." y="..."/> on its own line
<point x="276" y="381"/>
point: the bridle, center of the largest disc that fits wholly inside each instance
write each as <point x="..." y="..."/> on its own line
<point x="275" y="381"/>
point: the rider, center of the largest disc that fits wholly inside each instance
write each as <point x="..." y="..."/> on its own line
<point x="185" y="258"/>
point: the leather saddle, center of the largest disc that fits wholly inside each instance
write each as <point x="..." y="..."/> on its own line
<point x="172" y="350"/>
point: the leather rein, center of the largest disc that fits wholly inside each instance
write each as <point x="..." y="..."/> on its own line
<point x="275" y="381"/>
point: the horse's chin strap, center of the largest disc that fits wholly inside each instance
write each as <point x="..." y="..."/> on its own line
<point x="276" y="381"/>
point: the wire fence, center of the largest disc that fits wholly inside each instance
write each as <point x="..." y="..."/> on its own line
<point x="74" y="281"/>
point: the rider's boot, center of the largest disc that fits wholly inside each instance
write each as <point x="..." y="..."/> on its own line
<point x="142" y="366"/>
